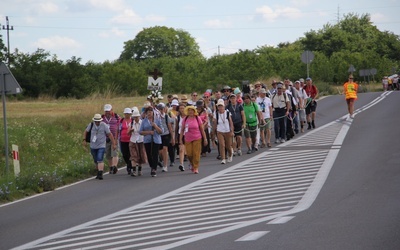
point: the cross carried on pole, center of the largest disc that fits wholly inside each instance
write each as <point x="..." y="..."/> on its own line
<point x="155" y="74"/>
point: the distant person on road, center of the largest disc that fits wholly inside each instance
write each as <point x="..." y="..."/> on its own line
<point x="136" y="146"/>
<point x="253" y="115"/>
<point x="192" y="129"/>
<point x="311" y="105"/>
<point x="124" y="138"/>
<point x="224" y="130"/>
<point x="385" y="82"/>
<point x="350" y="91"/>
<point x="264" y="102"/>
<point x="281" y="107"/>
<point x="99" y="132"/>
<point x="112" y="120"/>
<point x="151" y="130"/>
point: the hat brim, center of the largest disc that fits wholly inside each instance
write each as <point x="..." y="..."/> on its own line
<point x="97" y="120"/>
<point x="192" y="108"/>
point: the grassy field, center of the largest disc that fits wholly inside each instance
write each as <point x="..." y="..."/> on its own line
<point x="49" y="135"/>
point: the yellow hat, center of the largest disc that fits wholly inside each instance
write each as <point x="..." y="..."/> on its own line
<point x="190" y="107"/>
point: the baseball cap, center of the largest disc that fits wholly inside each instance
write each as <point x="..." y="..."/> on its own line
<point x="279" y="86"/>
<point x="301" y="79"/>
<point x="308" y="79"/>
<point x="107" y="107"/>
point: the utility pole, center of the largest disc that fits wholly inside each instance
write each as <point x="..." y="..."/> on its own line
<point x="8" y="28"/>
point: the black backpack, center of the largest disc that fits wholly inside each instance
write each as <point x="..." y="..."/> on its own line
<point x="88" y="134"/>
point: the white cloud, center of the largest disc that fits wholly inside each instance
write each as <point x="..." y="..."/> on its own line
<point x="155" y="18"/>
<point x="57" y="42"/>
<point x="271" y="15"/>
<point x="128" y="17"/>
<point x="114" y="32"/>
<point x="48" y="7"/>
<point x="217" y="23"/>
<point x="112" y="5"/>
<point x="379" y="17"/>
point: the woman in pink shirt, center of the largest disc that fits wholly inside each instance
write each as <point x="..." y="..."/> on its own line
<point x="193" y="130"/>
<point x="125" y="137"/>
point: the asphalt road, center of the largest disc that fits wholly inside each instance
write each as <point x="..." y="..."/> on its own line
<point x="335" y="187"/>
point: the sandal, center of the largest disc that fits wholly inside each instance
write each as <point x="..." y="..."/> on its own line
<point x="269" y="145"/>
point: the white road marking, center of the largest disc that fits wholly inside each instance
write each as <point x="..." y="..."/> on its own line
<point x="252" y="236"/>
<point x="281" y="220"/>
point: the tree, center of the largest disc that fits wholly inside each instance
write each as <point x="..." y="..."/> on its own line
<point x="160" y="41"/>
<point x="3" y="50"/>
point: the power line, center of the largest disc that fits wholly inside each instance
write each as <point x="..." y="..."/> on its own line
<point x="8" y="28"/>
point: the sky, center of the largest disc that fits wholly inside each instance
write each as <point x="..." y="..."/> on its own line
<point x="95" y="30"/>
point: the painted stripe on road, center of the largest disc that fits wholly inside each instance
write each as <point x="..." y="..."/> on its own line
<point x="253" y="236"/>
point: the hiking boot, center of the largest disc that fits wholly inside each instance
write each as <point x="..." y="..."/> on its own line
<point x="115" y="170"/>
<point x="111" y="170"/>
<point x="313" y="124"/>
<point x="100" y="174"/>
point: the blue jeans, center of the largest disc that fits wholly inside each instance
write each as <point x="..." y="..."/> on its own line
<point x="98" y="154"/>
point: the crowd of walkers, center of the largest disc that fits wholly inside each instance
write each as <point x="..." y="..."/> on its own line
<point x="229" y="121"/>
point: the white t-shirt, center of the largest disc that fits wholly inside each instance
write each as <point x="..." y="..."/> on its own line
<point x="135" y="136"/>
<point x="223" y="125"/>
<point x="264" y="104"/>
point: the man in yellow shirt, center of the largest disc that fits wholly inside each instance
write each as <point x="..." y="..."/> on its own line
<point x="350" y="91"/>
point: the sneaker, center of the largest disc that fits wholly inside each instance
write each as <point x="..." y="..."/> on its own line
<point x="172" y="164"/>
<point x="234" y="153"/>
<point x="239" y="152"/>
<point x="277" y="141"/>
<point x="219" y="157"/>
<point x="196" y="171"/>
<point x="352" y="117"/>
<point x="165" y="169"/>
<point x="223" y="161"/>
<point x="181" y="168"/>
<point x="249" y="152"/>
<point x="153" y="173"/>
<point x="229" y="158"/>
<point x="133" y="174"/>
<point x="283" y="140"/>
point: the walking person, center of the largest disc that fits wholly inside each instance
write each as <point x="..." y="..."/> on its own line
<point x="281" y="106"/>
<point x="204" y="116"/>
<point x="224" y="130"/>
<point x="181" y="145"/>
<point x="151" y="130"/>
<point x="239" y="123"/>
<point x="266" y="109"/>
<point x="311" y="106"/>
<point x="167" y="136"/>
<point x="124" y="138"/>
<point x="253" y="115"/>
<point x="112" y="120"/>
<point x="192" y="129"/>
<point x="302" y="100"/>
<point x="136" y="145"/>
<point x="99" y="132"/>
<point x="350" y="92"/>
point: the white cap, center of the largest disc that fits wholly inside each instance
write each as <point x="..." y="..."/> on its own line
<point x="175" y="102"/>
<point x="107" y="107"/>
<point x="127" y="111"/>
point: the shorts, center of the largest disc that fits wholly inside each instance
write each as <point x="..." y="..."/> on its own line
<point x="250" y="131"/>
<point x="98" y="154"/>
<point x="165" y="140"/>
<point x="237" y="129"/>
<point x="267" y="125"/>
<point x="311" y="107"/>
<point x="111" y="153"/>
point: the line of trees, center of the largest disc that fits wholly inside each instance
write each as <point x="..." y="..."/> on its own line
<point x="354" y="40"/>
